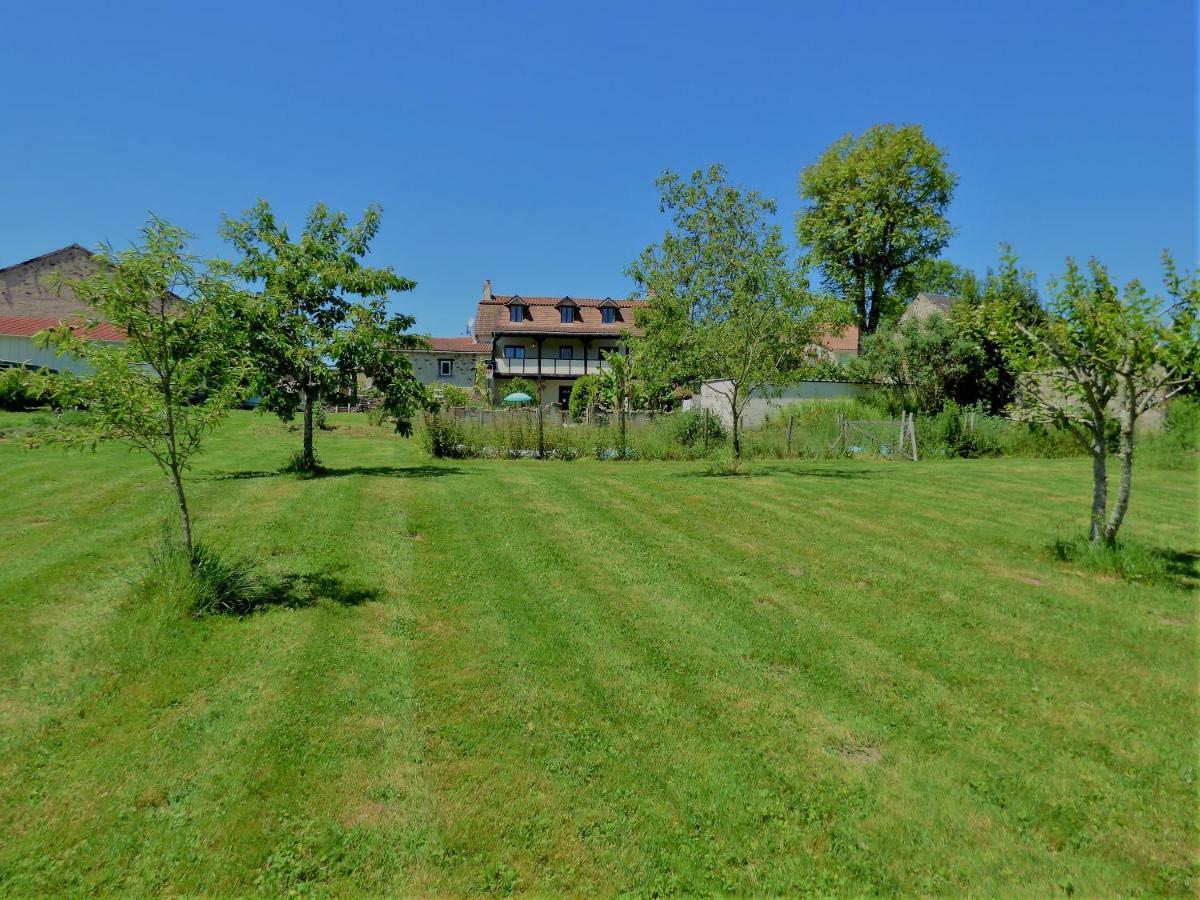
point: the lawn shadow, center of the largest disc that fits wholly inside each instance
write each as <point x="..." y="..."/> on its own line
<point x="1131" y="561"/>
<point x="767" y="471"/>
<point x="323" y="472"/>
<point x="299" y="591"/>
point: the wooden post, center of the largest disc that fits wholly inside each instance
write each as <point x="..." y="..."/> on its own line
<point x="789" y="438"/>
<point x="912" y="435"/>
<point x="705" y="426"/>
<point x="900" y="442"/>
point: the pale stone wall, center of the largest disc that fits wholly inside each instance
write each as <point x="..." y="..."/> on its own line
<point x="762" y="405"/>
<point x="425" y="367"/>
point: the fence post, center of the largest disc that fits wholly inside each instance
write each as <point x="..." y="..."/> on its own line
<point x="900" y="443"/>
<point x="912" y="434"/>
<point x="789" y="438"/>
<point x="705" y="431"/>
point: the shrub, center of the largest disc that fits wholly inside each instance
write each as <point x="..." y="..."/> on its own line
<point x="453" y="395"/>
<point x="1177" y="445"/>
<point x="584" y="393"/>
<point x="204" y="584"/>
<point x="522" y="386"/>
<point x="19" y="390"/>
<point x="443" y="437"/>
<point x="688" y="427"/>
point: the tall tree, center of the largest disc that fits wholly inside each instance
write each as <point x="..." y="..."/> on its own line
<point x="877" y="210"/>
<point x="1098" y="361"/>
<point x="322" y="316"/>
<point x="727" y="303"/>
<point x="177" y="372"/>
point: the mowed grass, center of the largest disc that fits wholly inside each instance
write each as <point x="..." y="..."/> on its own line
<point x="593" y="678"/>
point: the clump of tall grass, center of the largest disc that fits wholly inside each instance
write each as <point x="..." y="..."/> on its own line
<point x="204" y="582"/>
<point x="1129" y="561"/>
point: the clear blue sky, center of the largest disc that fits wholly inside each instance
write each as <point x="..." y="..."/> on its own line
<point x="520" y="142"/>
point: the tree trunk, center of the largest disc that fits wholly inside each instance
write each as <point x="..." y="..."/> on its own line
<point x="1113" y="525"/>
<point x="1099" y="487"/>
<point x="308" y="460"/>
<point x="185" y="520"/>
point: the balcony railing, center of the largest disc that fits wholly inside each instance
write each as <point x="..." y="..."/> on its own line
<point x="550" y="366"/>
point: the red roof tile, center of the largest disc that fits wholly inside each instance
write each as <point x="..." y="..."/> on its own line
<point x="28" y="326"/>
<point x="492" y="317"/>
<point x="846" y="340"/>
<point x="458" y="345"/>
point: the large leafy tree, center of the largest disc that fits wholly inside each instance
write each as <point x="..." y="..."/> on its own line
<point x="1097" y="361"/>
<point x="321" y="317"/>
<point x="179" y="368"/>
<point x="876" y="213"/>
<point x="728" y="306"/>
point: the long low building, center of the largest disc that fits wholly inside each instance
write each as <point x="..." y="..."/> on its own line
<point x="35" y="295"/>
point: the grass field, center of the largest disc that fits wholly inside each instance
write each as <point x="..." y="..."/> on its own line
<point x="593" y="677"/>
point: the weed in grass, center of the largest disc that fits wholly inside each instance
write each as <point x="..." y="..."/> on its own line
<point x="295" y="466"/>
<point x="1129" y="561"/>
<point x="204" y="583"/>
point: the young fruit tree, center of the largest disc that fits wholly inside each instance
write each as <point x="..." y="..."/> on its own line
<point x="321" y="317"/>
<point x="876" y="217"/>
<point x="1097" y="362"/>
<point x="614" y="388"/>
<point x="177" y="371"/>
<point x="728" y="307"/>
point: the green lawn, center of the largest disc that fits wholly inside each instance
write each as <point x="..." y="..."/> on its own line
<point x="593" y="677"/>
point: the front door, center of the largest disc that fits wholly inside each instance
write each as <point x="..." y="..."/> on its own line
<point x="564" y="396"/>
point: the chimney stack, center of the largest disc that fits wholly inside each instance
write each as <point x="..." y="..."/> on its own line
<point x="487" y="290"/>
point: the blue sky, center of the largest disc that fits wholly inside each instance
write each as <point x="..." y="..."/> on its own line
<point x="520" y="141"/>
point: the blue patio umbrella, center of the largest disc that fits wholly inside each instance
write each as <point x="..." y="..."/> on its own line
<point x="518" y="397"/>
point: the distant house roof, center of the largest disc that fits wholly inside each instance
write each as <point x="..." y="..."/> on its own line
<point x="924" y="305"/>
<point x="34" y="259"/>
<point x="28" y="326"/>
<point x="543" y="316"/>
<point x="458" y="345"/>
<point x="846" y="339"/>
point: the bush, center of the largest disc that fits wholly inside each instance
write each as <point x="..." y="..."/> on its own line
<point x="443" y="437"/>
<point x="453" y="395"/>
<point x="955" y="431"/>
<point x="584" y="393"/>
<point x="203" y="584"/>
<point x="688" y="428"/>
<point x="19" y="390"/>
<point x="522" y="386"/>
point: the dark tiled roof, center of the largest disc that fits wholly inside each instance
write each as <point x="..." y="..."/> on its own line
<point x="942" y="301"/>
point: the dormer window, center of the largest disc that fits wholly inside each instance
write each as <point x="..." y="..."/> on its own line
<point x="608" y="311"/>
<point x="568" y="311"/>
<point x="517" y="310"/>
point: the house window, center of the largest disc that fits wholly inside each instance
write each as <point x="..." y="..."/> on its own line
<point x="445" y="368"/>
<point x="516" y="313"/>
<point x="608" y="315"/>
<point x="566" y="315"/>
<point x="514" y="352"/>
<point x="566" y="352"/>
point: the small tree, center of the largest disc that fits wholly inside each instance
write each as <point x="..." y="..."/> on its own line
<point x="727" y="304"/>
<point x="584" y="394"/>
<point x="307" y="333"/>
<point x="1098" y="361"/>
<point x="481" y="381"/>
<point x="877" y="213"/>
<point x="177" y="372"/>
<point x="614" y="387"/>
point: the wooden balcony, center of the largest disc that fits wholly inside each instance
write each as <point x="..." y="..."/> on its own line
<point x="551" y="367"/>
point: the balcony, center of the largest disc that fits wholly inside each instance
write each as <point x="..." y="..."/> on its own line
<point x="551" y="367"/>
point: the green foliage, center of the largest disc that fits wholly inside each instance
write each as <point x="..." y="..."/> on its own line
<point x="728" y="304"/>
<point x="201" y="582"/>
<point x="1177" y="444"/>
<point x="876" y="217"/>
<point x="521" y="385"/>
<point x="453" y="395"/>
<point x="585" y="394"/>
<point x="442" y="437"/>
<point x="689" y="426"/>
<point x="1100" y="356"/>
<point x="307" y="333"/>
<point x="921" y="365"/>
<point x="482" y="391"/>
<point x="180" y="368"/>
<point x="1128" y="561"/>
<point x="19" y="389"/>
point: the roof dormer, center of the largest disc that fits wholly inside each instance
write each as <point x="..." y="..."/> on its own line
<point x="568" y="311"/>
<point x="518" y="309"/>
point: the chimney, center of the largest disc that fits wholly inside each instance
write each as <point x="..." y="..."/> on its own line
<point x="487" y="290"/>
